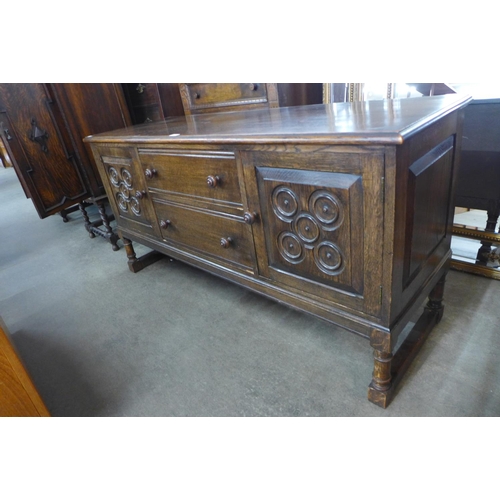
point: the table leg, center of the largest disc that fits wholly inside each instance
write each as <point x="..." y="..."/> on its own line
<point x="88" y="224"/>
<point x="109" y="234"/>
<point x="388" y="370"/>
<point x="135" y="263"/>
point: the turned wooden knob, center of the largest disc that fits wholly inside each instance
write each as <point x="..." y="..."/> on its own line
<point x="213" y="181"/>
<point x="249" y="218"/>
<point x="164" y="224"/>
<point x="150" y="172"/>
<point x="226" y="242"/>
<point x="140" y="194"/>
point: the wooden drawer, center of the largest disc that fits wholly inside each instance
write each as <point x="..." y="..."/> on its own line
<point x="196" y="174"/>
<point x="225" y="237"/>
<point x="209" y="97"/>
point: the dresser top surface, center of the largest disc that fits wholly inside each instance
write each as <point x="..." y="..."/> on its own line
<point x="366" y="122"/>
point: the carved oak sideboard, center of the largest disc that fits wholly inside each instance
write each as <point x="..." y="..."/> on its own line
<point x="343" y="211"/>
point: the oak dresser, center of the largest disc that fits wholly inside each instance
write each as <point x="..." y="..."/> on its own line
<point x="343" y="211"/>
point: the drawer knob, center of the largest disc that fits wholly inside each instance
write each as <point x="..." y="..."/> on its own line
<point x="164" y="224"/>
<point x="150" y="172"/>
<point x="140" y="194"/>
<point x="196" y="95"/>
<point x="213" y="181"/>
<point x="226" y="242"/>
<point x="140" y="88"/>
<point x="249" y="218"/>
<point x="254" y="86"/>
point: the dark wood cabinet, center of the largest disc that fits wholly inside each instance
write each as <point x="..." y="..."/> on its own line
<point x="150" y="102"/>
<point x="344" y="211"/>
<point x="42" y="126"/>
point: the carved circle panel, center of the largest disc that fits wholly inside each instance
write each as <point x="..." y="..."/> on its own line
<point x="290" y="247"/>
<point x="127" y="178"/>
<point x="135" y="206"/>
<point x="285" y="203"/>
<point x="122" y="202"/>
<point x="113" y="177"/>
<point x="306" y="228"/>
<point x="327" y="209"/>
<point x="329" y="258"/>
<point x="122" y="181"/>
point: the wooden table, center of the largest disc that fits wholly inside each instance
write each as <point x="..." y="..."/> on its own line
<point x="343" y="211"/>
<point x="18" y="395"/>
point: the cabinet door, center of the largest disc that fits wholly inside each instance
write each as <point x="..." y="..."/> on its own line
<point x="91" y="108"/>
<point x="124" y="180"/>
<point x="321" y="224"/>
<point x="40" y="148"/>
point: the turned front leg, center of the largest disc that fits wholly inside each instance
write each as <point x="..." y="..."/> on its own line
<point x="131" y="256"/>
<point x="381" y="370"/>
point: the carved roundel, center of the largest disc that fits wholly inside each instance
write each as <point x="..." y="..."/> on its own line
<point x="327" y="209"/>
<point x="135" y="206"/>
<point x="122" y="201"/>
<point x="329" y="258"/>
<point x="285" y="203"/>
<point x="306" y="228"/>
<point x="113" y="176"/>
<point x="290" y="247"/>
<point x="127" y="178"/>
<point x="123" y="183"/>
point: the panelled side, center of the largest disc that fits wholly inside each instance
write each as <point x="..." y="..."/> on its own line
<point x="425" y="171"/>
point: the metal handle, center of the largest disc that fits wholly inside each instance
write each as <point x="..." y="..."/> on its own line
<point x="164" y="224"/>
<point x="213" y="181"/>
<point x="226" y="242"/>
<point x="39" y="136"/>
<point x="7" y="135"/>
<point x="140" y="194"/>
<point x="150" y="172"/>
<point x="249" y="217"/>
<point x="140" y="88"/>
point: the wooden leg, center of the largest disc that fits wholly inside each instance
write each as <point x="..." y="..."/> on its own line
<point x="109" y="234"/>
<point x="136" y="264"/>
<point x="388" y="370"/>
<point x="379" y="388"/>
<point x="64" y="215"/>
<point x="88" y="224"/>
<point x="484" y="251"/>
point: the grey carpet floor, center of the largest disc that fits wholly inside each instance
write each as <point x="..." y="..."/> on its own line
<point x="172" y="340"/>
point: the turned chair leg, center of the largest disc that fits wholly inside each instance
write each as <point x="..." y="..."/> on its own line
<point x="113" y="238"/>
<point x="483" y="254"/>
<point x="88" y="224"/>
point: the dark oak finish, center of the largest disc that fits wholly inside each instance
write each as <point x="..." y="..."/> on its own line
<point x="43" y="126"/>
<point x="149" y="102"/>
<point x="343" y="211"/>
<point x="211" y="97"/>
